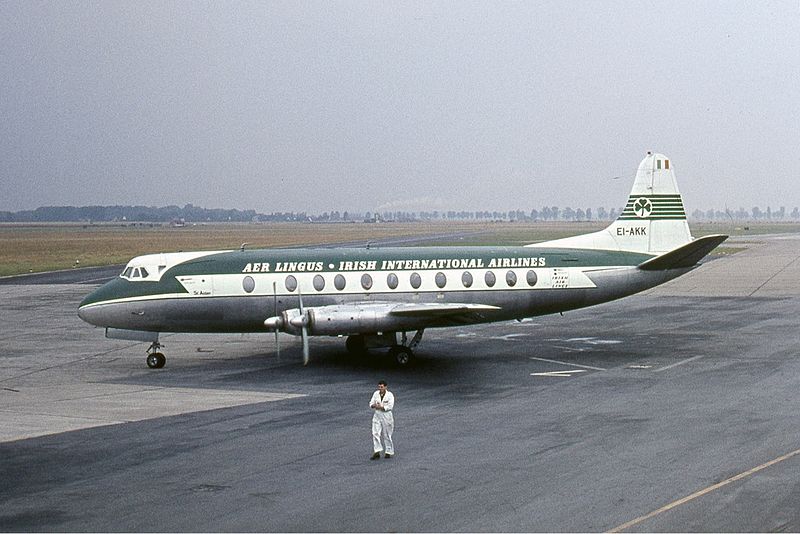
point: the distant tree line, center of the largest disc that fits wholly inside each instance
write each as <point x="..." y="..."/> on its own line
<point x="126" y="213"/>
<point x="195" y="214"/>
<point x="741" y="214"/>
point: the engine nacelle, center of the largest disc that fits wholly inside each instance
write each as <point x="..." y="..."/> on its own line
<point x="342" y="320"/>
<point x="337" y="320"/>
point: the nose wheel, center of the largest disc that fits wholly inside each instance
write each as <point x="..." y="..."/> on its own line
<point x="155" y="359"/>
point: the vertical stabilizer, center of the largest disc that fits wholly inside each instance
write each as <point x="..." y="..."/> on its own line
<point x="653" y="221"/>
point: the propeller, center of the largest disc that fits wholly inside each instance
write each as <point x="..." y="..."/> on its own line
<point x="289" y="322"/>
<point x="304" y="328"/>
<point x="275" y="313"/>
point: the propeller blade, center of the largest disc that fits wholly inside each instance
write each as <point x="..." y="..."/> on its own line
<point x="304" y="329"/>
<point x="304" y="335"/>
<point x="275" y="314"/>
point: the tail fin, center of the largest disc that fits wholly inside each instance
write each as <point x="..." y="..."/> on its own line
<point x="653" y="221"/>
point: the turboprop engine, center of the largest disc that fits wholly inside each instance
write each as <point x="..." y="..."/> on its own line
<point x="335" y="319"/>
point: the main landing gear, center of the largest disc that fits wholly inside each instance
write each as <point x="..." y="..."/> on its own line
<point x="155" y="359"/>
<point x="401" y="355"/>
<point x="401" y="352"/>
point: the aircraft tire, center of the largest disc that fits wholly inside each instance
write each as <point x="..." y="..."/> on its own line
<point x="156" y="360"/>
<point x="401" y="355"/>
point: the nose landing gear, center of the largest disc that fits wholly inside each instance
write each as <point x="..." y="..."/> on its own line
<point x="155" y="359"/>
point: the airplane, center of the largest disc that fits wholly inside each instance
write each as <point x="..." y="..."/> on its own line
<point x="378" y="296"/>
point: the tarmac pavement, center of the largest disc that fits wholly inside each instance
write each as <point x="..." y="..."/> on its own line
<point x="674" y="410"/>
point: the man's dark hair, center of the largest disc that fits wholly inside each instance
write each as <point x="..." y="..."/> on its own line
<point x="382" y="382"/>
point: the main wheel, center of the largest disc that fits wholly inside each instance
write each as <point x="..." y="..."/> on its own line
<point x="401" y="355"/>
<point x="156" y="360"/>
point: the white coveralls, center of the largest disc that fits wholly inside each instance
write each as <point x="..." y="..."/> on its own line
<point x="382" y="422"/>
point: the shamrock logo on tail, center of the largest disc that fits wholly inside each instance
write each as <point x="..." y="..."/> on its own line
<point x="642" y="207"/>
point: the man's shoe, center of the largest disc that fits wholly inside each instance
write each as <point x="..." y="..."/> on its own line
<point x="388" y="455"/>
<point x="375" y="456"/>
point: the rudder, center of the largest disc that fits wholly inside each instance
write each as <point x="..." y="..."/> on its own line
<point x="653" y="220"/>
<point x="655" y="207"/>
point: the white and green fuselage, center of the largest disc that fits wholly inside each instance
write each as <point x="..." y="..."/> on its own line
<point x="375" y="291"/>
<point x="236" y="291"/>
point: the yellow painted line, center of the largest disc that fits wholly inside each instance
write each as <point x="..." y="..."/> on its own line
<point x="702" y="492"/>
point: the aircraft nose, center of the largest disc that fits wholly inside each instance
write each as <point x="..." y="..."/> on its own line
<point x="89" y="314"/>
<point x="90" y="309"/>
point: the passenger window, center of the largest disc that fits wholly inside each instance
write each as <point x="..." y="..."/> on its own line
<point x="441" y="280"/>
<point x="366" y="281"/>
<point x="511" y="278"/>
<point x="531" y="278"/>
<point x="339" y="282"/>
<point x="490" y="279"/>
<point x="319" y="282"/>
<point x="466" y="279"/>
<point x="392" y="281"/>
<point x="416" y="280"/>
<point x="291" y="283"/>
<point x="248" y="284"/>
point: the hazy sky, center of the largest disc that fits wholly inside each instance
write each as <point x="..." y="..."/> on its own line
<point x="317" y="106"/>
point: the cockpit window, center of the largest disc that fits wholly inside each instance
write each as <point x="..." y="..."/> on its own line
<point x="135" y="273"/>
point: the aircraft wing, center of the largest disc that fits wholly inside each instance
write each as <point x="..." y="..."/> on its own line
<point x="437" y="309"/>
<point x="684" y="256"/>
<point x="366" y="317"/>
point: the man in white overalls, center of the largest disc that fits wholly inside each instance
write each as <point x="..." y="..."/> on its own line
<point x="382" y="403"/>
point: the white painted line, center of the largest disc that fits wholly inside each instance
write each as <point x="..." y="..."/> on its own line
<point x="562" y="374"/>
<point x="676" y="364"/>
<point x="569" y="349"/>
<point x="509" y="337"/>
<point x="570" y="364"/>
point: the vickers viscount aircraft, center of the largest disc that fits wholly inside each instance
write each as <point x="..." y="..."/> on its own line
<point x="378" y="296"/>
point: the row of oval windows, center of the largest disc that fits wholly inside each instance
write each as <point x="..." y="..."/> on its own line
<point x="339" y="282"/>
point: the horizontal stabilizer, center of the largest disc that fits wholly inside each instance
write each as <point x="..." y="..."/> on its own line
<point x="684" y="256"/>
<point x="438" y="309"/>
